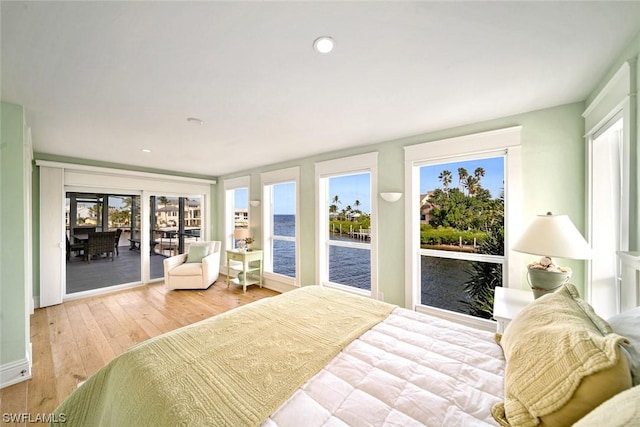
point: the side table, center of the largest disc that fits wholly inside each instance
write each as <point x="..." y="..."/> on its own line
<point x="507" y="303"/>
<point x="249" y="265"/>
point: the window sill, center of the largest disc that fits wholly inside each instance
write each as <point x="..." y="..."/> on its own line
<point x="463" y="319"/>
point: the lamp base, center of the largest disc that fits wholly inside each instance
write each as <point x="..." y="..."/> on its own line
<point x="544" y="282"/>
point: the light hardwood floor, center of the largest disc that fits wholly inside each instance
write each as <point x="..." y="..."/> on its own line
<point x="73" y="340"/>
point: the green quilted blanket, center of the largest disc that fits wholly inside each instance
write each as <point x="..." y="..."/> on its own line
<point x="233" y="369"/>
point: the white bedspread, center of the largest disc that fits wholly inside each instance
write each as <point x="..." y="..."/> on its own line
<point x="411" y="369"/>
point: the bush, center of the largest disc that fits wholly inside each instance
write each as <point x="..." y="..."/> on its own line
<point x="450" y="236"/>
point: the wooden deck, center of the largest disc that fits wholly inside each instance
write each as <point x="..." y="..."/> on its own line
<point x="102" y="273"/>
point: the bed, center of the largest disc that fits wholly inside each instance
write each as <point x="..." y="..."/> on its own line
<point x="314" y="357"/>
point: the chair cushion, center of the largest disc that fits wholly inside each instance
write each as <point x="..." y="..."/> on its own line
<point x="197" y="252"/>
<point x="187" y="269"/>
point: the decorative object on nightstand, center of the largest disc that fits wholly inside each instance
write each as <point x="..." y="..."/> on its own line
<point x="551" y="236"/>
<point x="249" y="267"/>
<point x="248" y="241"/>
<point x="241" y="235"/>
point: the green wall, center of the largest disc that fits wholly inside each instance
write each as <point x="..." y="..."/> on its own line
<point x="553" y="159"/>
<point x="13" y="306"/>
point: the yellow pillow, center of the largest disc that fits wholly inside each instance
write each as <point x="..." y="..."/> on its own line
<point x="562" y="361"/>
<point x="622" y="410"/>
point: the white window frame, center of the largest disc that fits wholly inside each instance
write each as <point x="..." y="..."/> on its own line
<point x="230" y="185"/>
<point x="363" y="163"/>
<point x="498" y="142"/>
<point x="268" y="180"/>
<point x="612" y="102"/>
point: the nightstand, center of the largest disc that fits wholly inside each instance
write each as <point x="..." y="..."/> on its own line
<point x="507" y="303"/>
<point x="249" y="265"/>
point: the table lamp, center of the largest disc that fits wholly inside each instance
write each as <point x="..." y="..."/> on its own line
<point x="551" y="236"/>
<point x="241" y="235"/>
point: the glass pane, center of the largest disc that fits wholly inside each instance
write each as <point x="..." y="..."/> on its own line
<point x="164" y="230"/>
<point x="459" y="285"/>
<point x="122" y="212"/>
<point x="284" y="205"/>
<point x="119" y="212"/>
<point x="462" y="206"/>
<point x="284" y="258"/>
<point x="350" y="266"/>
<point x="192" y="219"/>
<point x="241" y="206"/>
<point x="192" y="215"/>
<point x="606" y="197"/>
<point x="350" y="206"/>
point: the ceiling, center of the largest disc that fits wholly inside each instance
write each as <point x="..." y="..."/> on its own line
<point x="104" y="80"/>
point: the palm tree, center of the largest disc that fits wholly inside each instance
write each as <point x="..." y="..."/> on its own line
<point x="163" y="200"/>
<point x="347" y="210"/>
<point x="463" y="175"/>
<point x="446" y="178"/>
<point x="473" y="182"/>
<point x="357" y="205"/>
<point x="473" y="185"/>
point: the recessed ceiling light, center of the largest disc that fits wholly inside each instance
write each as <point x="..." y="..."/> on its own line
<point x="323" y="44"/>
<point x="145" y="150"/>
<point x="195" y="120"/>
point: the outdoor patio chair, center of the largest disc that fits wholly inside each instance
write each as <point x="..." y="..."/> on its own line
<point x="73" y="247"/>
<point x="118" y="234"/>
<point x="100" y="243"/>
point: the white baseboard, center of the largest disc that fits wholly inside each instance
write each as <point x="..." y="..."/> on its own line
<point x="106" y="290"/>
<point x="278" y="286"/>
<point x="15" y="372"/>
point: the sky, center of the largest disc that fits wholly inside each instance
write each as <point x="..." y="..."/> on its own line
<point x="350" y="188"/>
<point x="492" y="181"/>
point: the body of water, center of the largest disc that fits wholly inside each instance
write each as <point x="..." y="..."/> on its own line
<point x="442" y="279"/>
<point x="347" y="266"/>
<point x="442" y="283"/>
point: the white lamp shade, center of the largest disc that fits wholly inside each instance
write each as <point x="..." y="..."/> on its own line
<point x="553" y="236"/>
<point x="240" y="233"/>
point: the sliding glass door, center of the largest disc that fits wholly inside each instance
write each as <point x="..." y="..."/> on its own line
<point x="90" y="213"/>
<point x="175" y="223"/>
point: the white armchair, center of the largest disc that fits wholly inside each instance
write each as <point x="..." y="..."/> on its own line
<point x="179" y="274"/>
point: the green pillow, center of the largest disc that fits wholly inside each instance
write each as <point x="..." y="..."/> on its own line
<point x="197" y="252"/>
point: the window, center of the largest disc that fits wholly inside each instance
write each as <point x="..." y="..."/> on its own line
<point x="462" y="234"/>
<point x="347" y="252"/>
<point x="462" y="212"/>
<point x="612" y="212"/>
<point x="607" y="202"/>
<point x="280" y="219"/>
<point x="236" y="208"/>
